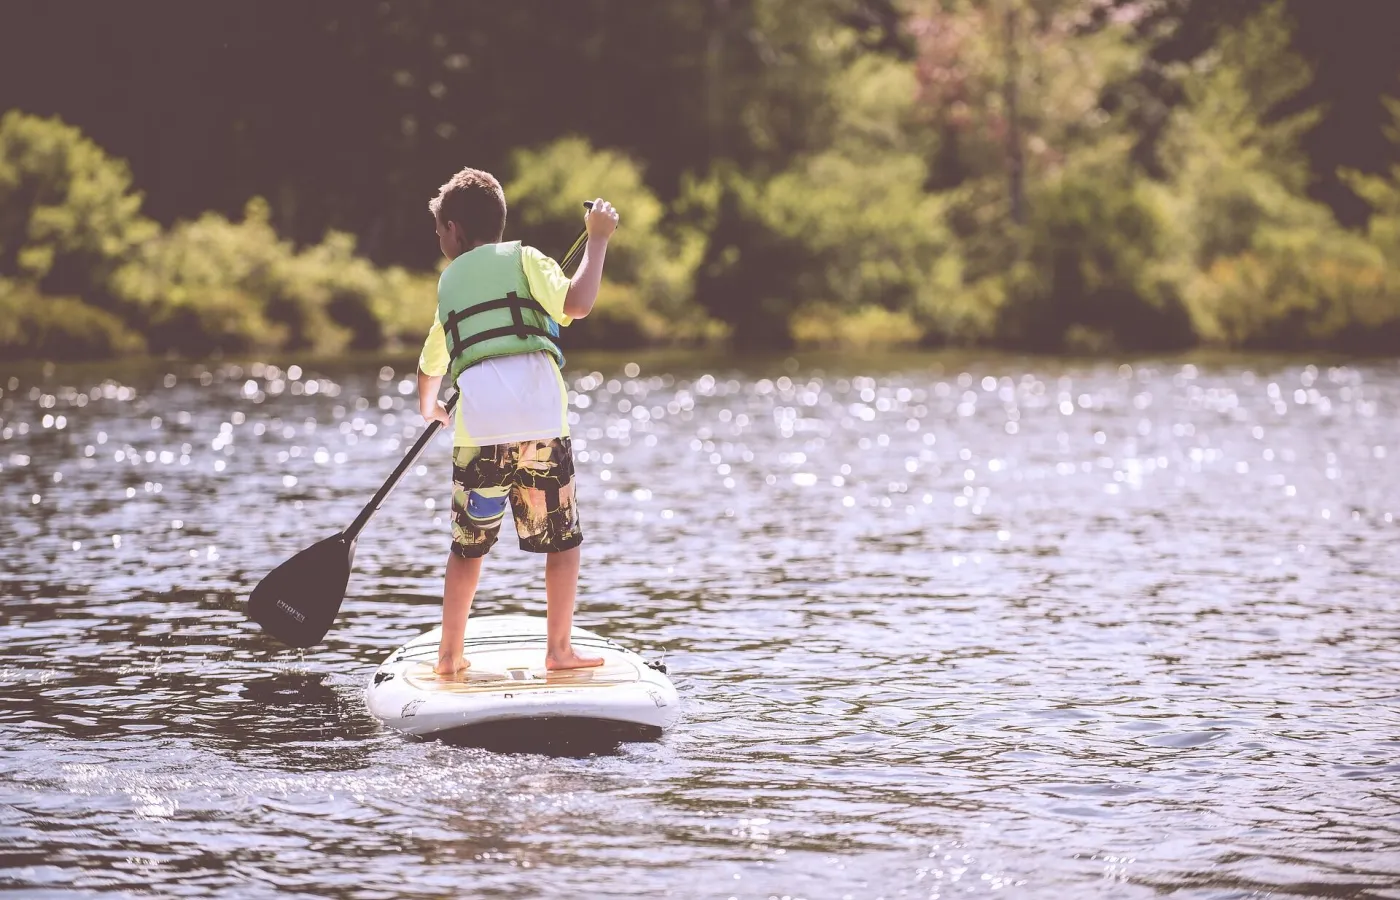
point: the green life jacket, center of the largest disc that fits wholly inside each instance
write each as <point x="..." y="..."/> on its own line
<point x="486" y="310"/>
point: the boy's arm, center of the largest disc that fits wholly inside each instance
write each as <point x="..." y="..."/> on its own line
<point x="429" y="407"/>
<point x="432" y="365"/>
<point x="601" y="222"/>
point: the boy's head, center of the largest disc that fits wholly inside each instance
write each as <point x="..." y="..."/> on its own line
<point x="470" y="210"/>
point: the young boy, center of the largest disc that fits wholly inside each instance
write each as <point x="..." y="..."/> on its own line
<point x="499" y="311"/>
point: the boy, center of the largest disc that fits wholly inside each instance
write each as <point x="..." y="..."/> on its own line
<point x="499" y="311"/>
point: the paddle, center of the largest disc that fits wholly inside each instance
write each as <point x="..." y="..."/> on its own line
<point x="298" y="601"/>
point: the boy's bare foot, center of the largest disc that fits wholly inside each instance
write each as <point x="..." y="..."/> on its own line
<point x="568" y="659"/>
<point x="452" y="666"/>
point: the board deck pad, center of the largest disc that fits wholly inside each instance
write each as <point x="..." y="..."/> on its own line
<point x="481" y="677"/>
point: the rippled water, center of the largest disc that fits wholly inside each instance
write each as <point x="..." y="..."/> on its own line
<point x="942" y="627"/>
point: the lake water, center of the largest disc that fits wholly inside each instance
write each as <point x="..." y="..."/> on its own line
<point x="942" y="627"/>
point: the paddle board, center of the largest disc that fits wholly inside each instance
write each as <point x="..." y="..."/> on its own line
<point x="508" y="683"/>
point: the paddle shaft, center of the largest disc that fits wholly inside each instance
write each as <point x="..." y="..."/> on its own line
<point x="385" y="489"/>
<point x="350" y="534"/>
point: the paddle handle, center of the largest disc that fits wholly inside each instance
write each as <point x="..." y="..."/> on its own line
<point x="350" y="534"/>
<point x="385" y="489"/>
<point x="576" y="251"/>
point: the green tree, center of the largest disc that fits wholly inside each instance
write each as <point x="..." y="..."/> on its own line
<point x="647" y="295"/>
<point x="35" y="325"/>
<point x="213" y="285"/>
<point x="69" y="218"/>
<point x="843" y="245"/>
<point x="1382" y="194"/>
<point x="1258" y="263"/>
<point x="1378" y="324"/>
<point x="1057" y="237"/>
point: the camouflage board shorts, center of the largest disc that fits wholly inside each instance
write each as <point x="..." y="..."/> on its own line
<point x="536" y="477"/>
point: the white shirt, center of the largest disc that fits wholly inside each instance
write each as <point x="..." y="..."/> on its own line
<point x="511" y="398"/>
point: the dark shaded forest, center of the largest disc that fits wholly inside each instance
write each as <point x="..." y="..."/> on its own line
<point x="1052" y="175"/>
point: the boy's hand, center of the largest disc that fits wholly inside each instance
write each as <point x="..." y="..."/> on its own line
<point x="438" y="413"/>
<point x="601" y="220"/>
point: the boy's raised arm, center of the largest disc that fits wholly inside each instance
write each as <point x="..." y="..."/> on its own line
<point x="601" y="222"/>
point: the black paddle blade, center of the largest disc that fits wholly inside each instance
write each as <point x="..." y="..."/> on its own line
<point x="297" y="602"/>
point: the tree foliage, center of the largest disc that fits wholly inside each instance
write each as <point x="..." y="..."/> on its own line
<point x="1258" y="262"/>
<point x="68" y="215"/>
<point x="1043" y="174"/>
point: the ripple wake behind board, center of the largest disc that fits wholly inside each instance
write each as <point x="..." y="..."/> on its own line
<point x="507" y="686"/>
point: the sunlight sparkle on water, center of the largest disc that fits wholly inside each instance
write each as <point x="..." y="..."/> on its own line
<point x="1009" y="603"/>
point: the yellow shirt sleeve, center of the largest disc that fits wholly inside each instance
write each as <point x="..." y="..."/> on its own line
<point x="433" y="360"/>
<point x="548" y="283"/>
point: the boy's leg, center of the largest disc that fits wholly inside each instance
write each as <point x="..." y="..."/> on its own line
<point x="478" y="505"/>
<point x="561" y="588"/>
<point x="546" y="521"/>
<point x="458" y="591"/>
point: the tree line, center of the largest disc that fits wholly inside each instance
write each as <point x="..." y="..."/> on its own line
<point x="1052" y="175"/>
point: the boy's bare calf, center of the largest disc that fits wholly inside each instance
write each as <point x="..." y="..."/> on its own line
<point x="458" y="592"/>
<point x="560" y="586"/>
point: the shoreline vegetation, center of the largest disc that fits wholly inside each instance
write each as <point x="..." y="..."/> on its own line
<point x="976" y="190"/>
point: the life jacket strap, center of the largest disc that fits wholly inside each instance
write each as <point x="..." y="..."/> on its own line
<point x="520" y="328"/>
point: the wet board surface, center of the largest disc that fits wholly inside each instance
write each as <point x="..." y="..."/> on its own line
<point x="507" y="680"/>
<point x="508" y="675"/>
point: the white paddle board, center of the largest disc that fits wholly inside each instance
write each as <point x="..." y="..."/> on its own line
<point x="507" y="683"/>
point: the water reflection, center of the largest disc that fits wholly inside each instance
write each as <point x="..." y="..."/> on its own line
<point x="943" y="626"/>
